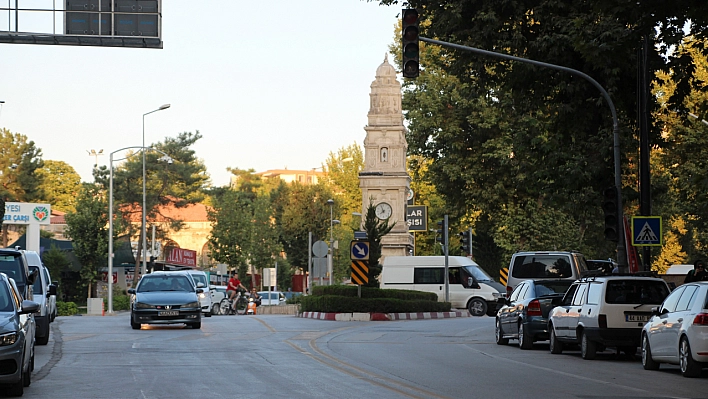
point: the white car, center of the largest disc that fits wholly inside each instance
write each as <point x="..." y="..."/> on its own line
<point x="605" y="311"/>
<point x="677" y="333"/>
<point x="272" y="298"/>
<point x="217" y="292"/>
<point x="202" y="281"/>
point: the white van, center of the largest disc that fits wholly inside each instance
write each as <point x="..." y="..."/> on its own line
<point x="470" y="286"/>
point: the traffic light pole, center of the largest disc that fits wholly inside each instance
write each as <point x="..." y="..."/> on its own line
<point x="621" y="245"/>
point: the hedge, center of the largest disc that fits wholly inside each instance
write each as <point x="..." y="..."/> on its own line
<point x="67" y="308"/>
<point x="345" y="299"/>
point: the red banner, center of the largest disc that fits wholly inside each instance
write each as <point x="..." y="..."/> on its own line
<point x="182" y="257"/>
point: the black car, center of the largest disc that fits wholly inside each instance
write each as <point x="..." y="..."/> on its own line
<point x="165" y="298"/>
<point x="17" y="329"/>
<point x="524" y="315"/>
<point x="14" y="265"/>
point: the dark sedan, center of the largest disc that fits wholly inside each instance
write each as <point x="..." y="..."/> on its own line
<point x="524" y="315"/>
<point x="165" y="298"/>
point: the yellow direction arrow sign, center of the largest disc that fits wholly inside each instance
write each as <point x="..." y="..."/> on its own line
<point x="360" y="272"/>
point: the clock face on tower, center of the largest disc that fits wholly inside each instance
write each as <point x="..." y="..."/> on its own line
<point x="383" y="211"/>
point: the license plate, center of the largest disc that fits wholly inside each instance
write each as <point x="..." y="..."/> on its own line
<point x="168" y="313"/>
<point x="637" y="317"/>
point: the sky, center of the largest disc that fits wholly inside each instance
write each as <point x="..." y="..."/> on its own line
<point x="268" y="84"/>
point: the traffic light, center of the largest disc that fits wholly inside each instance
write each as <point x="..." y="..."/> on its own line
<point x="466" y="241"/>
<point x="610" y="200"/>
<point x="411" y="50"/>
<point x="441" y="232"/>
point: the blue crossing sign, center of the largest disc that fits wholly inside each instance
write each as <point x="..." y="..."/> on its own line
<point x="360" y="250"/>
<point x="646" y="231"/>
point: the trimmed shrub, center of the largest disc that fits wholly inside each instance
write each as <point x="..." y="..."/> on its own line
<point x="345" y="299"/>
<point x="120" y="302"/>
<point x="67" y="308"/>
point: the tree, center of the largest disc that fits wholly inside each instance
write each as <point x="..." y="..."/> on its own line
<point x="57" y="263"/>
<point x="375" y="230"/>
<point x="87" y="228"/>
<point x="60" y="185"/>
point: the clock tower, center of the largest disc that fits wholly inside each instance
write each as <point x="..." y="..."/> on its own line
<point x="384" y="178"/>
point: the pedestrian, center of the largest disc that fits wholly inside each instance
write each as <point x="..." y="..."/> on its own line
<point x="698" y="272"/>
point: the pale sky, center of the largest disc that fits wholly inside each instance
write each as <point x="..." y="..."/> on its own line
<point x="269" y="84"/>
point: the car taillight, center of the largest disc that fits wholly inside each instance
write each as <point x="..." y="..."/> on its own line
<point x="534" y="308"/>
<point x="602" y="320"/>
<point x="508" y="291"/>
<point x="701" y="319"/>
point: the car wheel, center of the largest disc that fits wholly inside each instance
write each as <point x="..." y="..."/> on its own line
<point x="556" y="346"/>
<point x="647" y="361"/>
<point x="215" y="308"/>
<point x="689" y="367"/>
<point x="196" y="326"/>
<point x="477" y="307"/>
<point x="45" y="339"/>
<point x="525" y="339"/>
<point x="133" y="324"/>
<point x="499" y="334"/>
<point x="588" y="348"/>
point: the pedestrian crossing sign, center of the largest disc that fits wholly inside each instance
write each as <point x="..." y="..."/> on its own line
<point x="646" y="231"/>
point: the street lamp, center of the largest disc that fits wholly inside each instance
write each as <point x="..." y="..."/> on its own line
<point x="95" y="154"/>
<point x="166" y="158"/>
<point x="142" y="229"/>
<point x="705" y="122"/>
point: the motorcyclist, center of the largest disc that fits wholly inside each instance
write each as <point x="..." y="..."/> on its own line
<point x="256" y="297"/>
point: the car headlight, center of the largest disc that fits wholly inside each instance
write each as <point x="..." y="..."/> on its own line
<point x="495" y="295"/>
<point x="202" y="295"/>
<point x="192" y="305"/>
<point x="8" y="338"/>
<point x="140" y="305"/>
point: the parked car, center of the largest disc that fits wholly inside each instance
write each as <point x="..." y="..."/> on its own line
<point x="605" y="311"/>
<point x="470" y="287"/>
<point x="272" y="298"/>
<point x="17" y="330"/>
<point x="544" y="264"/>
<point x="677" y="333"/>
<point x="605" y="265"/>
<point x="524" y="315"/>
<point x="202" y="281"/>
<point x="42" y="291"/>
<point x="166" y="298"/>
<point x="14" y="264"/>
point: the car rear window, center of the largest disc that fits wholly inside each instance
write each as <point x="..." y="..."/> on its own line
<point x="552" y="287"/>
<point x="542" y="266"/>
<point x="11" y="266"/>
<point x="636" y="292"/>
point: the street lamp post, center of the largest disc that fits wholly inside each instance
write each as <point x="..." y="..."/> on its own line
<point x="110" y="218"/>
<point x="143" y="233"/>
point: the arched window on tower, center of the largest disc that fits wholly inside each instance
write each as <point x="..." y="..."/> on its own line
<point x="384" y="154"/>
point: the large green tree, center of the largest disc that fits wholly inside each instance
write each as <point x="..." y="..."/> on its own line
<point x="87" y="229"/>
<point x="60" y="185"/>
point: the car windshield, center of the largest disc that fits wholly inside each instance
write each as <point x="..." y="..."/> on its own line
<point x="542" y="266"/>
<point x="37" y="286"/>
<point x="478" y="273"/>
<point x="165" y="283"/>
<point x="636" y="292"/>
<point x="552" y="287"/>
<point x="200" y="278"/>
<point x="10" y="265"/>
<point x="5" y="301"/>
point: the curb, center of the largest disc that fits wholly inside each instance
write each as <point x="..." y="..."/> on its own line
<point x="381" y="316"/>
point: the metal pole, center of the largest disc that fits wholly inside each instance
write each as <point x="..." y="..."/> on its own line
<point x="621" y="247"/>
<point x="110" y="238"/>
<point x="308" y="283"/>
<point x="330" y="256"/>
<point x="143" y="269"/>
<point x="447" y="265"/>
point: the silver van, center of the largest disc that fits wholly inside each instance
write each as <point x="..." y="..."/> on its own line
<point x="544" y="264"/>
<point x="43" y="291"/>
<point x="470" y="287"/>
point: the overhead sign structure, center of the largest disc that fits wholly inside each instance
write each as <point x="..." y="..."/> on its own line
<point x="360" y="272"/>
<point x="417" y="217"/>
<point x="359" y="250"/>
<point x="646" y="231"/>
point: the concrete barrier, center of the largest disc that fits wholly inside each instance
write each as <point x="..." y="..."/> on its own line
<point x="278" y="309"/>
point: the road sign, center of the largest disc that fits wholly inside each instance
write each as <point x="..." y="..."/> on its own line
<point x="360" y="250"/>
<point x="646" y="231"/>
<point x="320" y="249"/>
<point x="360" y="272"/>
<point x="503" y="275"/>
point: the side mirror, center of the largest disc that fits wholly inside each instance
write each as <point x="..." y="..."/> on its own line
<point x="33" y="276"/>
<point x="131" y="291"/>
<point x="199" y="290"/>
<point x="200" y="285"/>
<point x="655" y="311"/>
<point x="29" y="307"/>
<point x="471" y="283"/>
<point x="52" y="290"/>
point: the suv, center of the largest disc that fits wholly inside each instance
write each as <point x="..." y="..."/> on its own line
<point x="544" y="264"/>
<point x="42" y="290"/>
<point x="14" y="264"/>
<point x="605" y="310"/>
<point x="200" y="277"/>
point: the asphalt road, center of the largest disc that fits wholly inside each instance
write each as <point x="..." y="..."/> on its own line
<point x="282" y="356"/>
